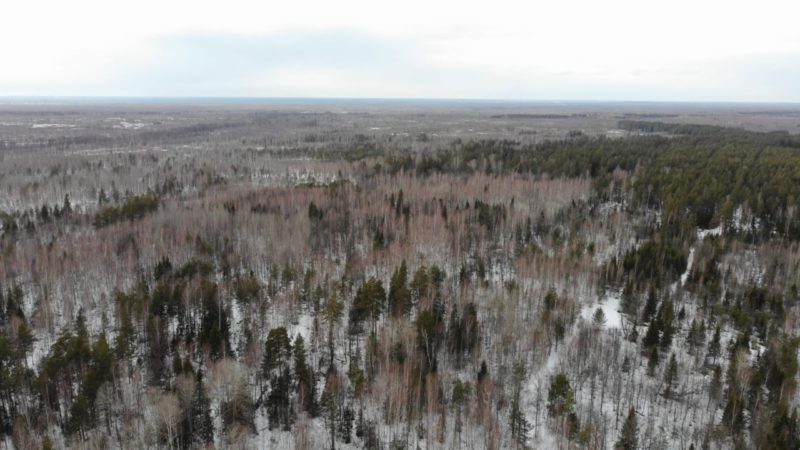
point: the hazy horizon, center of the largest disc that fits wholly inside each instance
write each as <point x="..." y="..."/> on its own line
<point x="290" y="100"/>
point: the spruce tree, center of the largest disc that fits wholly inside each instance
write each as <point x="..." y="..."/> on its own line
<point x="399" y="298"/>
<point x="202" y="425"/>
<point x="714" y="345"/>
<point x="628" y="439"/>
<point x="653" y="361"/>
<point x="214" y="326"/>
<point x="276" y="369"/>
<point x="519" y="425"/>
<point x="560" y="397"/>
<point x="650" y="305"/>
<point x="306" y="382"/>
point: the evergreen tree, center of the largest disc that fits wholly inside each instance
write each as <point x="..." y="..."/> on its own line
<point x="518" y="423"/>
<point x="628" y="437"/>
<point x="276" y="369"/>
<point x="419" y="284"/>
<point x="239" y="410"/>
<point x="650" y="305"/>
<point x="79" y="416"/>
<point x="367" y="305"/>
<point x="560" y="397"/>
<point x="399" y="298"/>
<point x="599" y="318"/>
<point x="714" y="345"/>
<point x="630" y="303"/>
<point x="332" y="313"/>
<point x="733" y="412"/>
<point x="214" y="324"/>
<point x="202" y="425"/>
<point x="666" y="317"/>
<point x="652" y="335"/>
<point x="652" y="362"/>
<point x="520" y="427"/>
<point x="331" y="403"/>
<point x="306" y="381"/>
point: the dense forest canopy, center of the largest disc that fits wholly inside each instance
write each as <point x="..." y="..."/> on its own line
<point x="310" y="280"/>
<point x="697" y="172"/>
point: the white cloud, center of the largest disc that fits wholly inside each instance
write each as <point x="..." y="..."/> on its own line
<point x="566" y="49"/>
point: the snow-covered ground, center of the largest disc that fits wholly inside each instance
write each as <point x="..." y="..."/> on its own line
<point x="610" y="307"/>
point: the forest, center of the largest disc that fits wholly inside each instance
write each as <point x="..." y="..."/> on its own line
<point x="384" y="279"/>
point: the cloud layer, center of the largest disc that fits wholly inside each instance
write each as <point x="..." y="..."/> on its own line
<point x="618" y="50"/>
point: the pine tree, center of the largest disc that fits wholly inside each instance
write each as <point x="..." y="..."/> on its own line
<point x="628" y="437"/>
<point x="733" y="412"/>
<point x="276" y="369"/>
<point x="650" y="305"/>
<point x="715" y="385"/>
<point x="331" y="403"/>
<point x="240" y="409"/>
<point x="666" y="316"/>
<point x="520" y="426"/>
<point x="79" y="416"/>
<point x="306" y="382"/>
<point x="629" y="301"/>
<point x="560" y="397"/>
<point x="599" y="318"/>
<point x="653" y="361"/>
<point x="332" y="313"/>
<point x="652" y="335"/>
<point x="202" y="425"/>
<point x="367" y="305"/>
<point x="419" y="284"/>
<point x="277" y="351"/>
<point x="399" y="298"/>
<point x="214" y="325"/>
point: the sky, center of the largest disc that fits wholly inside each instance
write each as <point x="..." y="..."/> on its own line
<point x="626" y="50"/>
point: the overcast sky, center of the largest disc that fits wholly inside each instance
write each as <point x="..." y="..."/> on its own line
<point x="678" y="50"/>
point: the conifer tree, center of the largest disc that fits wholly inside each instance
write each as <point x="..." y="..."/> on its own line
<point x="200" y="412"/>
<point x="714" y="345"/>
<point x="653" y="361"/>
<point x="628" y="437"/>
<point x="306" y="381"/>
<point x="399" y="298"/>
<point x="650" y="305"/>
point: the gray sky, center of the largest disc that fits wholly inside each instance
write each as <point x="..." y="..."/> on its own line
<point x="681" y="50"/>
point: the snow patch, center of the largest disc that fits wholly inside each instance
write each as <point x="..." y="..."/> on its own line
<point x="610" y="307"/>
<point x="53" y="125"/>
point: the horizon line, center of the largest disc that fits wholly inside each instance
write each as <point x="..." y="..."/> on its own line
<point x="299" y="100"/>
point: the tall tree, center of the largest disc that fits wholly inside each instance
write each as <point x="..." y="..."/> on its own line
<point x="399" y="298"/>
<point x="306" y="381"/>
<point x="628" y="437"/>
<point x="202" y="424"/>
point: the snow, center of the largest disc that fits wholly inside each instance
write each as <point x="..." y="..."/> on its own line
<point x="124" y="124"/>
<point x="701" y="234"/>
<point x="52" y="125"/>
<point x="304" y="326"/>
<point x="689" y="262"/>
<point x="610" y="307"/>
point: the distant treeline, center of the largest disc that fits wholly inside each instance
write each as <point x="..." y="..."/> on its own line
<point x="696" y="173"/>
<point x="540" y="116"/>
